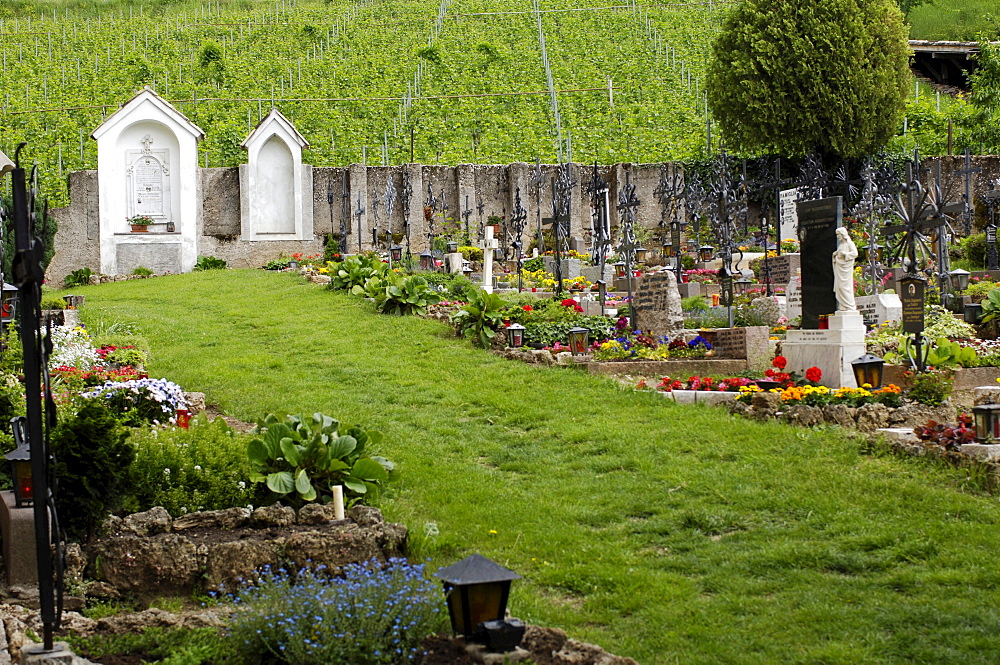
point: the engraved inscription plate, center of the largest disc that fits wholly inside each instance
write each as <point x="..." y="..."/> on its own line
<point x="148" y="179"/>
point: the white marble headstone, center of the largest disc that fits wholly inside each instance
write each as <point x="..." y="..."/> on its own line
<point x="879" y="309"/>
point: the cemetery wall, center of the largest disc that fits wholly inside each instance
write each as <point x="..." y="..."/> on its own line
<point x="467" y="194"/>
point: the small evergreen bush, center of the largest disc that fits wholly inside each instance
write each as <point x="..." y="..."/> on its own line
<point x="92" y="458"/>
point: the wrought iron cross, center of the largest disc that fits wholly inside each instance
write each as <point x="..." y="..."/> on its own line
<point x="359" y="213"/>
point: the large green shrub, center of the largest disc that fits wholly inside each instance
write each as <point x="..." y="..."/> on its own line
<point x="355" y="271"/>
<point x="92" y="459"/>
<point x="824" y="76"/>
<point x="405" y="295"/>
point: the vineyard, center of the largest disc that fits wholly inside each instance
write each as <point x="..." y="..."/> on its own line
<point x="374" y="81"/>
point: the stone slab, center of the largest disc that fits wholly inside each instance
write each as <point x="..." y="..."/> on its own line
<point x="783" y="268"/>
<point x="593" y="273"/>
<point x="18" y="528"/>
<point x="818" y="221"/>
<point x="160" y="257"/>
<point x="830" y="350"/>
<point x="33" y="654"/>
<point x="570" y="267"/>
<point x="898" y="434"/>
<point x="985" y="451"/>
<point x="700" y="396"/>
<point x="674" y="368"/>
<point x="689" y="289"/>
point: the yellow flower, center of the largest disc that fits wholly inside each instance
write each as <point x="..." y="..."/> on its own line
<point x="493" y="532"/>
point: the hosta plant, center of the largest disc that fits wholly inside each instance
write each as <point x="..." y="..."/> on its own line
<point x="355" y="271"/>
<point x="302" y="458"/>
<point x="406" y="295"/>
<point x="480" y="318"/>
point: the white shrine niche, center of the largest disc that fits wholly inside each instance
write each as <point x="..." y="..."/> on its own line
<point x="147" y="165"/>
<point x="275" y="186"/>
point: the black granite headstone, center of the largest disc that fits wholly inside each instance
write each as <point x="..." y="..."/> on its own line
<point x="818" y="222"/>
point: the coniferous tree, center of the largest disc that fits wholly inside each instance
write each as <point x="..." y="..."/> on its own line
<point x="797" y="76"/>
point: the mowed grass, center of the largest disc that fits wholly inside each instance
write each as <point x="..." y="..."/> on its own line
<point x="672" y="534"/>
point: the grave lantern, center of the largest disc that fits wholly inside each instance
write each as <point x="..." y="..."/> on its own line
<point x="640" y="254"/>
<point x="426" y="261"/>
<point x="706" y="253"/>
<point x="987" y="420"/>
<point x="9" y="307"/>
<point x="973" y="313"/>
<point x="602" y="292"/>
<point x="692" y="246"/>
<point x="742" y="285"/>
<point x="579" y="340"/>
<point x="452" y="246"/>
<point x="868" y="370"/>
<point x="477" y="590"/>
<point x="515" y="335"/>
<point x="959" y="279"/>
<point x="396" y="252"/>
<point x="497" y="254"/>
<point x="20" y="463"/>
<point x="620" y="269"/>
<point x="668" y="250"/>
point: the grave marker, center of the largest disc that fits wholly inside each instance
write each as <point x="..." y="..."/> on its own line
<point x="818" y="222"/>
<point x="658" y="304"/>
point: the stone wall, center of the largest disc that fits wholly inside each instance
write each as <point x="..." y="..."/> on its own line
<point x="149" y="554"/>
<point x="460" y="188"/>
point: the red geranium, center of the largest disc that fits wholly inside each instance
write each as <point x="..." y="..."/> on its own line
<point x="569" y="302"/>
<point x="814" y="374"/>
<point x="527" y="308"/>
<point x="780" y="362"/>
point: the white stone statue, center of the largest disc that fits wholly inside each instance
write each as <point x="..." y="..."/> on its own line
<point x="843" y="271"/>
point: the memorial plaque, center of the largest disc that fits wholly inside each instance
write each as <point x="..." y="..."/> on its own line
<point x="911" y="294"/>
<point x="818" y="222"/>
<point x="675" y="238"/>
<point x="148" y="183"/>
<point x="788" y="219"/>
<point x="730" y="343"/>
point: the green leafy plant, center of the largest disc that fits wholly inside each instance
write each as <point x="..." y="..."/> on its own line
<point x="406" y="295"/>
<point x="79" y="277"/>
<point x="92" y="460"/>
<point x="355" y="271"/>
<point x="302" y="458"/>
<point x="53" y="302"/>
<point x="930" y="387"/>
<point x="209" y="263"/>
<point x="480" y="318"/>
<point x="142" y="271"/>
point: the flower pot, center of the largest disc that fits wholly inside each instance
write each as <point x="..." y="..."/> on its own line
<point x="140" y="228"/>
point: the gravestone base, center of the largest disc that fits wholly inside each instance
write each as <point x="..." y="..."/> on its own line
<point x="18" y="528"/>
<point x="454" y="263"/>
<point x="593" y="273"/>
<point x="34" y="654"/>
<point x="830" y="350"/>
<point x="571" y="268"/>
<point x="689" y="289"/>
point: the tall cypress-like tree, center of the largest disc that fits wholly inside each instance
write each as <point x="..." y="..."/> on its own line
<point x="791" y="77"/>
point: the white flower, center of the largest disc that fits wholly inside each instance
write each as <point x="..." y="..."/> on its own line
<point x="242" y="485"/>
<point x="166" y="472"/>
<point x="197" y="467"/>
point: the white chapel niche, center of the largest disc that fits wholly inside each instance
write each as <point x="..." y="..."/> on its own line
<point x="147" y="165"/>
<point x="275" y="186"/>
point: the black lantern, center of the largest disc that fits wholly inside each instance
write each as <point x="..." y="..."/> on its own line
<point x="668" y="250"/>
<point x="426" y="261"/>
<point x="579" y="339"/>
<point x="973" y="313"/>
<point x="515" y="335"/>
<point x="959" y="279"/>
<point x="868" y="370"/>
<point x="706" y="252"/>
<point x="640" y="254"/>
<point x="396" y="252"/>
<point x="692" y="246"/>
<point x="477" y="590"/>
<point x="452" y="246"/>
<point x="602" y="292"/>
<point x="742" y="285"/>
<point x="20" y="462"/>
<point x="987" y="419"/>
<point x="620" y="269"/>
<point x="497" y="254"/>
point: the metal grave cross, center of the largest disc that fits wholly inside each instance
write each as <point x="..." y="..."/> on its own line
<point x="359" y="213"/>
<point x="466" y="214"/>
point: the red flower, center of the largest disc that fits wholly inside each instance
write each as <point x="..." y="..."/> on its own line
<point x="814" y="374"/>
<point x="780" y="362"/>
<point x="527" y="308"/>
<point x="578" y="308"/>
<point x="569" y="302"/>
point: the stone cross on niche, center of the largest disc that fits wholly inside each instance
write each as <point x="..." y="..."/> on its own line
<point x="146" y="142"/>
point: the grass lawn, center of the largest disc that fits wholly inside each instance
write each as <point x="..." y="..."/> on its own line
<point x="955" y="19"/>
<point x="669" y="533"/>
